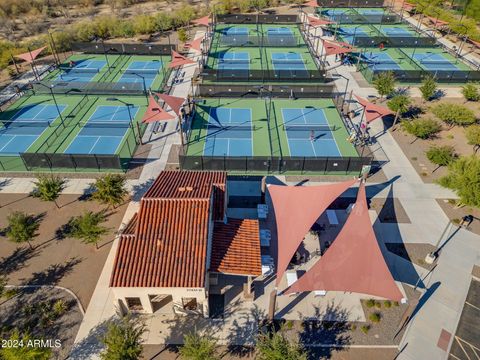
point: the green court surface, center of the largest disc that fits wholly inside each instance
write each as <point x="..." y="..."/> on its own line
<point x="150" y="71"/>
<point x="86" y="125"/>
<point x="267" y="135"/>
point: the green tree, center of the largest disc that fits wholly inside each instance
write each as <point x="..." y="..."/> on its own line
<point x="454" y="114"/>
<point x="441" y="155"/>
<point x="384" y="83"/>
<point x="428" y="88"/>
<point x="421" y="128"/>
<point x="87" y="227"/>
<point x="472" y="133"/>
<point x="164" y="21"/>
<point x="110" y="189"/>
<point x="144" y="24"/>
<point x="400" y="103"/>
<point x="182" y="35"/>
<point x="275" y="346"/>
<point x="464" y="178"/>
<point x="24" y="352"/>
<point x="198" y="347"/>
<point x="21" y="227"/>
<point x="123" y="339"/>
<point x="48" y="188"/>
<point x="470" y="92"/>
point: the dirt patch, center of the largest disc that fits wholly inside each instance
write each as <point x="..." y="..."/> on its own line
<point x="415" y="149"/>
<point x="456" y="214"/>
<point x="415" y="253"/>
<point x="16" y="314"/>
<point x="55" y="260"/>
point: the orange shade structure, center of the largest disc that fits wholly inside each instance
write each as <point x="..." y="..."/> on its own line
<point x="203" y="21"/>
<point x="174" y="102"/>
<point x="155" y="113"/>
<point x="354" y="262"/>
<point x="314" y="21"/>
<point x="30" y="56"/>
<point x="333" y="48"/>
<point x="373" y="111"/>
<point x="311" y="3"/>
<point x="179" y="60"/>
<point x="197" y="44"/>
<point x="297" y="208"/>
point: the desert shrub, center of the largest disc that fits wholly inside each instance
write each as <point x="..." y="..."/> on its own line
<point x="470" y="92"/>
<point x="454" y="114"/>
<point x="375" y="317"/>
<point x="421" y="128"/>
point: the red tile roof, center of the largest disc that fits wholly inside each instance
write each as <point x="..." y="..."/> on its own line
<point x="165" y="243"/>
<point x="236" y="248"/>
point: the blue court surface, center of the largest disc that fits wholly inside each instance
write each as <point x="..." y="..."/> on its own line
<point x="235" y="31"/>
<point x="279" y="31"/>
<point x="288" y="63"/>
<point x="370" y="11"/>
<point x="229" y="132"/>
<point x="20" y="132"/>
<point x="350" y="33"/>
<point x="435" y="62"/>
<point x="234" y="61"/>
<point x="143" y="72"/>
<point x="308" y="133"/>
<point x="380" y="61"/>
<point x="394" y="31"/>
<point x="82" y="71"/>
<point x="104" y="131"/>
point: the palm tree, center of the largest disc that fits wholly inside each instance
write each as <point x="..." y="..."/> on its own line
<point x="21" y="227"/>
<point x="48" y="188"/>
<point x="123" y="339"/>
<point x="87" y="227"/>
<point x="198" y="347"/>
<point x="110" y="189"/>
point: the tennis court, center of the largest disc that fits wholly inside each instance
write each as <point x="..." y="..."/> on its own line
<point x="381" y="61"/>
<point x="26" y="126"/>
<point x="288" y="62"/>
<point x="395" y="31"/>
<point x="143" y="72"/>
<point x="234" y="60"/>
<point x="104" y="131"/>
<point x="229" y="132"/>
<point x="309" y="133"/>
<point x="432" y="61"/>
<point x="81" y="71"/>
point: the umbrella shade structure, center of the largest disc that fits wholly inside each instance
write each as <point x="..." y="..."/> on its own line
<point x="354" y="262"/>
<point x="297" y="208"/>
<point x="174" y="102"/>
<point x="373" y="111"/>
<point x="155" y="113"/>
<point x="30" y="56"/>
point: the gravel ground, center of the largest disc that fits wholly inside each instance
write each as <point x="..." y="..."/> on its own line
<point x="414" y="253"/>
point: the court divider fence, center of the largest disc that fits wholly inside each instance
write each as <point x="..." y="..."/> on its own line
<point x="261" y="41"/>
<point x="351" y="3"/>
<point x="357" y="19"/>
<point x="245" y="75"/>
<point x="395" y="41"/>
<point x="127" y="49"/>
<point x="88" y="88"/>
<point x="273" y="164"/>
<point x="257" y="19"/>
<point x="326" y="90"/>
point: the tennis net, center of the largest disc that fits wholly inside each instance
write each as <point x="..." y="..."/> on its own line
<point x="216" y="127"/>
<point x="287" y="61"/>
<point x="435" y="61"/>
<point x="309" y="127"/>
<point x="79" y="70"/>
<point x="141" y="71"/>
<point x="104" y="124"/>
<point x="24" y="123"/>
<point x="376" y="60"/>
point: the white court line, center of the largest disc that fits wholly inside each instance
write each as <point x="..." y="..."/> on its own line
<point x="14" y="136"/>
<point x="96" y="142"/>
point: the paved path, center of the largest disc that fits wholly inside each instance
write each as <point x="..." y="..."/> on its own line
<point x="102" y="307"/>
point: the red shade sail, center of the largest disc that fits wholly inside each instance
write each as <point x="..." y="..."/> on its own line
<point x="174" y="102"/>
<point x="476" y="43"/>
<point x="373" y="111"/>
<point x="311" y="3"/>
<point x="203" y="21"/>
<point x="179" y="60"/>
<point x="197" y="44"/>
<point x="31" y="55"/>
<point x="296" y="210"/>
<point x="354" y="261"/>
<point x="155" y="113"/>
<point x="332" y="48"/>
<point x="314" y="21"/>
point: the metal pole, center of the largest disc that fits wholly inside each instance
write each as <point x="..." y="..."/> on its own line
<point x="54" y="49"/>
<point x="56" y="105"/>
<point x="15" y="64"/>
<point x="131" y="122"/>
<point x="105" y="53"/>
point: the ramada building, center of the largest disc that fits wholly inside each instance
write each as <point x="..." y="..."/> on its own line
<point x="178" y="237"/>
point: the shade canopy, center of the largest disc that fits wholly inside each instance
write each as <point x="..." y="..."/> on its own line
<point x="30" y="56"/>
<point x="373" y="111"/>
<point x="334" y="48"/>
<point x="314" y="21"/>
<point x="155" y="113"/>
<point x="354" y="261"/>
<point x="203" y="21"/>
<point x="179" y="60"/>
<point x="475" y="43"/>
<point x="197" y="44"/>
<point x="311" y="3"/>
<point x="296" y="210"/>
<point x="174" y="102"/>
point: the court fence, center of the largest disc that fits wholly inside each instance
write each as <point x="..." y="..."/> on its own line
<point x="127" y="49"/>
<point x="365" y="41"/>
<point x="245" y="75"/>
<point x="88" y="88"/>
<point x="257" y="19"/>
<point x="351" y="3"/>
<point x="326" y="90"/>
<point x="357" y="19"/>
<point x="275" y="165"/>
<point x="261" y="40"/>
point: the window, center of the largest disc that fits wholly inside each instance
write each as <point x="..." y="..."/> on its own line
<point x="134" y="304"/>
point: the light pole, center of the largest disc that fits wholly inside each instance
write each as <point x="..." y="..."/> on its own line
<point x="50" y="88"/>
<point x="104" y="53"/>
<point x="130" y="118"/>
<point x="346" y="89"/>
